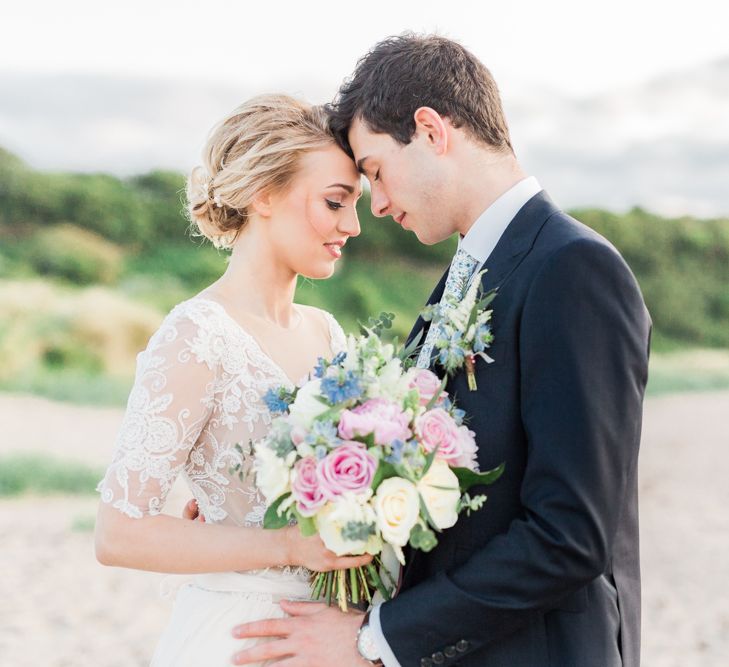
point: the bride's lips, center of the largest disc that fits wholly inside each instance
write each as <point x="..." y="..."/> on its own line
<point x="335" y="248"/>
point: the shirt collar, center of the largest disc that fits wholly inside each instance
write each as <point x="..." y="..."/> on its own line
<point x="485" y="233"/>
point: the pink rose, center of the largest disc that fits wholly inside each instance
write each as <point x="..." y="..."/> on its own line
<point x="306" y="486"/>
<point x="468" y="446"/>
<point x="428" y="385"/>
<point x="349" y="467"/>
<point x="436" y="428"/>
<point x="379" y="416"/>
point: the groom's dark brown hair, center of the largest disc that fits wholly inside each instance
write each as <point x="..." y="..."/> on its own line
<point x="403" y="73"/>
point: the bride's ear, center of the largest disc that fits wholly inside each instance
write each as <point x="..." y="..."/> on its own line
<point x="430" y="125"/>
<point x="262" y="204"/>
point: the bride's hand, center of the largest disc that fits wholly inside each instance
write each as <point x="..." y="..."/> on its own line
<point x="311" y="553"/>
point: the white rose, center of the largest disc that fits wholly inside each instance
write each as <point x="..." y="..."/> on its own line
<point x="440" y="492"/>
<point x="272" y="473"/>
<point x="307" y="406"/>
<point x="333" y="518"/>
<point x="397" y="506"/>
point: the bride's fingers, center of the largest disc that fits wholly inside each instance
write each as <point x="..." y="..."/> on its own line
<point x="345" y="562"/>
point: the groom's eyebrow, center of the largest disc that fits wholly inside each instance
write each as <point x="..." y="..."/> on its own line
<point x="361" y="165"/>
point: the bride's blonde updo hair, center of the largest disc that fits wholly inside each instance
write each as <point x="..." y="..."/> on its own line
<point x="255" y="149"/>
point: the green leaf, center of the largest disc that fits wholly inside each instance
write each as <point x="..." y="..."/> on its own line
<point x="422" y="538"/>
<point x="426" y="514"/>
<point x="468" y="478"/>
<point x="332" y="414"/>
<point x="375" y="326"/>
<point x="306" y="523"/>
<point x="409" y="349"/>
<point x="384" y="471"/>
<point x="272" y="519"/>
<point x="429" y="461"/>
<point x="486" y="300"/>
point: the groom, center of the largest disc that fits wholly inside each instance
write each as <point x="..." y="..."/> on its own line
<point x="548" y="573"/>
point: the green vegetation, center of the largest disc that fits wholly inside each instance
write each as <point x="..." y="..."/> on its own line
<point x="692" y="370"/>
<point x="38" y="474"/>
<point x="89" y="264"/>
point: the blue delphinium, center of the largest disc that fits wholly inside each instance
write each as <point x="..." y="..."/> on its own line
<point x="320" y="452"/>
<point x="458" y="415"/>
<point x="343" y="388"/>
<point x="395" y="455"/>
<point x="323" y="433"/>
<point x="275" y="400"/>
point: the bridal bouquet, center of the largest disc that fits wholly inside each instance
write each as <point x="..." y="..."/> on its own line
<point x="370" y="451"/>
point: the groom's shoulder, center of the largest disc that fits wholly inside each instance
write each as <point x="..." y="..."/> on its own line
<point x="567" y="248"/>
<point x="563" y="233"/>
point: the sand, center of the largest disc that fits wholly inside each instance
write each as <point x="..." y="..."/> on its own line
<point x="59" y="607"/>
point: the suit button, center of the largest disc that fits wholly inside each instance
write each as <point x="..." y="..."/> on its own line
<point x="449" y="651"/>
<point x="438" y="658"/>
<point x="426" y="662"/>
<point x="462" y="646"/>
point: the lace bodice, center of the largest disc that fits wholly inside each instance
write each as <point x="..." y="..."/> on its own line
<point x="197" y="394"/>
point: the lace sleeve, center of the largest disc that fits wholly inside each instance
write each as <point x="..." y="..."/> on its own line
<point x="337" y="337"/>
<point x="170" y="403"/>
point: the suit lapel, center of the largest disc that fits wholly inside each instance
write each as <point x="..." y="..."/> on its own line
<point x="517" y="240"/>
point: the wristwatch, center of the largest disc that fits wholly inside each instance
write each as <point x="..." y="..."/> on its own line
<point x="366" y="642"/>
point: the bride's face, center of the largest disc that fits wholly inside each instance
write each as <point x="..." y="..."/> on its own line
<point x="312" y="219"/>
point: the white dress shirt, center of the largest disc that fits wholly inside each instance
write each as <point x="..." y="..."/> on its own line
<point x="479" y="242"/>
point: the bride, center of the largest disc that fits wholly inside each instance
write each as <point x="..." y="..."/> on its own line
<point x="278" y="192"/>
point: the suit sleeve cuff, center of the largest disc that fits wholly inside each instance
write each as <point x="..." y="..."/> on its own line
<point x="386" y="655"/>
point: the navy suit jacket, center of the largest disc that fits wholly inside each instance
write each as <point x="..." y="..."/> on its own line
<point x="547" y="573"/>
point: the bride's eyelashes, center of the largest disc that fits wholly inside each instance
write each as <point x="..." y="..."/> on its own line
<point x="334" y="205"/>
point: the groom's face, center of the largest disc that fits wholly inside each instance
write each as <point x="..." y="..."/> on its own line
<point x="407" y="182"/>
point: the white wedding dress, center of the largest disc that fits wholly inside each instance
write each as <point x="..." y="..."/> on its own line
<point x="197" y="394"/>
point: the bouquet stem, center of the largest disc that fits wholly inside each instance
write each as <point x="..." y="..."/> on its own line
<point x="355" y="585"/>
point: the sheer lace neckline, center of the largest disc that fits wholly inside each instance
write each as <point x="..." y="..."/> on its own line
<point x="274" y="366"/>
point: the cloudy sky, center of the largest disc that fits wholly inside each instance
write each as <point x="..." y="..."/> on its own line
<point x="612" y="104"/>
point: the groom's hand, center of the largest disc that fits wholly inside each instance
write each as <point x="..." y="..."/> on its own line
<point x="315" y="635"/>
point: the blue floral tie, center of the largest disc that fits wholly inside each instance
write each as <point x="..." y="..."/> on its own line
<point x="459" y="275"/>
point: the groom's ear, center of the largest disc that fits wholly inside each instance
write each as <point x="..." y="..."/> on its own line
<point x="432" y="127"/>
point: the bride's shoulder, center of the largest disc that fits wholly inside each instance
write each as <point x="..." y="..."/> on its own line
<point x="194" y="318"/>
<point x="329" y="325"/>
<point x="195" y="311"/>
<point x="324" y="317"/>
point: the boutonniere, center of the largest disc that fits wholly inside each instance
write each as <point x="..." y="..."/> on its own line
<point x="464" y="330"/>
